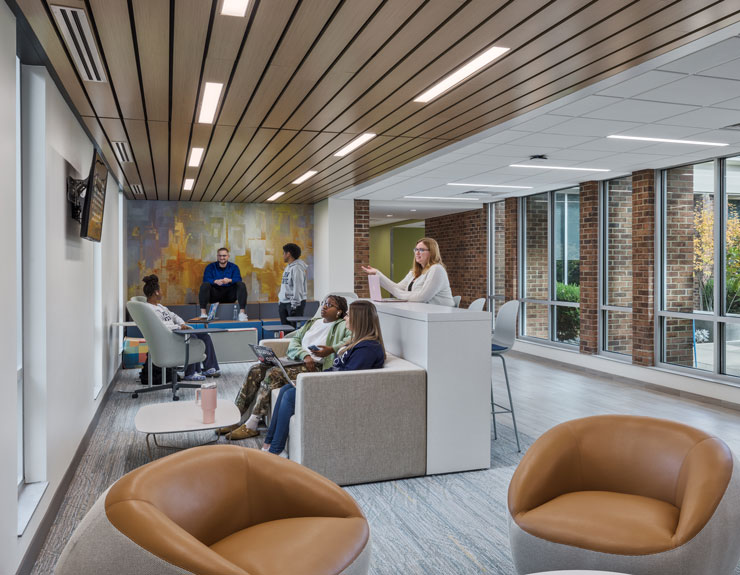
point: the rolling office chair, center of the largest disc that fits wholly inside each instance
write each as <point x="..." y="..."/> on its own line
<point x="503" y="338"/>
<point x="165" y="348"/>
<point x="478" y="304"/>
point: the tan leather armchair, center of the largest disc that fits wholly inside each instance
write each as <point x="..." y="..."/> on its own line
<point x="622" y="493"/>
<point x="220" y="510"/>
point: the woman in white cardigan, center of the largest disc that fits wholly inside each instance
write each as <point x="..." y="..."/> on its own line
<point x="427" y="281"/>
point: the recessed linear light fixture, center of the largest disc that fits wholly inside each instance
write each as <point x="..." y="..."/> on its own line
<point x="275" y="196"/>
<point x="209" y="103"/>
<point x="188" y="185"/>
<point x="443" y="199"/>
<point x="667" y="141"/>
<point x="491" y="186"/>
<point x="462" y="73"/>
<point x="304" y="177"/>
<point x="558" y="168"/>
<point x="354" y="144"/>
<point x="195" y="156"/>
<point x="412" y="210"/>
<point x="234" y="8"/>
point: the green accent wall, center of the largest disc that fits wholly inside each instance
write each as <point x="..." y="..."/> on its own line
<point x="404" y="240"/>
<point x="399" y="249"/>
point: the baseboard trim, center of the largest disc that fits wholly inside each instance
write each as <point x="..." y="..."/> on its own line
<point x="39" y="538"/>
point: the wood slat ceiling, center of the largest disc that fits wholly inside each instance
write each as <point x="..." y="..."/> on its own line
<point x="304" y="77"/>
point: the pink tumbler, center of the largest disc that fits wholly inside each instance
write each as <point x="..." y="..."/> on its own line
<point x="206" y="397"/>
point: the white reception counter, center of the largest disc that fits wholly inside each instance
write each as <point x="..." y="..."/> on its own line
<point x="454" y="347"/>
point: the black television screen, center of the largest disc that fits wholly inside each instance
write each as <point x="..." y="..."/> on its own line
<point x="92" y="212"/>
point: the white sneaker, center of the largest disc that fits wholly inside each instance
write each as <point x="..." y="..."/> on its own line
<point x="284" y="454"/>
<point x="195" y="377"/>
<point x="243" y="316"/>
<point x="203" y="316"/>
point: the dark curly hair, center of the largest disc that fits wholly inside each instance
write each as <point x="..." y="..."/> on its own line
<point x="341" y="303"/>
<point x="293" y="250"/>
<point x="151" y="285"/>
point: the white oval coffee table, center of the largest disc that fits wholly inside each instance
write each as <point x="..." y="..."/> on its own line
<point x="181" y="417"/>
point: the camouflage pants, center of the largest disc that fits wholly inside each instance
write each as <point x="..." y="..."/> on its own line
<point x="261" y="380"/>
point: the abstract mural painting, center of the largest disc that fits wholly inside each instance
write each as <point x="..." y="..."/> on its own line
<point x="176" y="240"/>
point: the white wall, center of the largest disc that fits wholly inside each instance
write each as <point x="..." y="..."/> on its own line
<point x="60" y="327"/>
<point x="334" y="246"/>
<point x="8" y="417"/>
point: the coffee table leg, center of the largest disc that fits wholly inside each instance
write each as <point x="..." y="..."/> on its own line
<point x="148" y="447"/>
<point x="177" y="447"/>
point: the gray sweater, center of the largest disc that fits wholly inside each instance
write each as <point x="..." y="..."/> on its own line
<point x="293" y="288"/>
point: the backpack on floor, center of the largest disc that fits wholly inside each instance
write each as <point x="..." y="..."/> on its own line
<point x="156" y="374"/>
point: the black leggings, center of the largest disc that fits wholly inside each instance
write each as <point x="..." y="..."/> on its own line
<point x="211" y="293"/>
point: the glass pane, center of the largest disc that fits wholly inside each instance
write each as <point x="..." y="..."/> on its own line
<point x="536" y="320"/>
<point x="567" y="248"/>
<point x="732" y="349"/>
<point x="732" y="238"/>
<point x="689" y="238"/>
<point x="689" y="343"/>
<point x="535" y="250"/>
<point x="568" y="325"/>
<point x="618" y="332"/>
<point x="499" y="248"/>
<point x="619" y="243"/>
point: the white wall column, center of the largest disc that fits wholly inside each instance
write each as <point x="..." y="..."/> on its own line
<point x="334" y="244"/>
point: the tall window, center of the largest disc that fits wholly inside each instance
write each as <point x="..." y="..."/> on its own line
<point x="551" y="266"/>
<point x="691" y="322"/>
<point x="19" y="274"/>
<point x="616" y="308"/>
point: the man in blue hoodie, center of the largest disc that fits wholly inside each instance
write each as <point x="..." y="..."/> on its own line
<point x="222" y="282"/>
<point x="293" y="287"/>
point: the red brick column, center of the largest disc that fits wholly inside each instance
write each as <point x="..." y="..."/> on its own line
<point x="462" y="240"/>
<point x="643" y="267"/>
<point x="362" y="246"/>
<point x="589" y="272"/>
<point x="511" y="266"/>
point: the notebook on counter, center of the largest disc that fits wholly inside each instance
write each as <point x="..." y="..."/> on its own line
<point x="374" y="283"/>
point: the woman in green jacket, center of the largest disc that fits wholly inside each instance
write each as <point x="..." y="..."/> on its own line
<point x="328" y="333"/>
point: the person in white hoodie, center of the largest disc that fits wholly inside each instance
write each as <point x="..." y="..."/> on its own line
<point x="293" y="288"/>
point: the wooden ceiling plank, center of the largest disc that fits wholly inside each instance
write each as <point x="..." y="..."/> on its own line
<point x="339" y="33"/>
<point x="159" y="133"/>
<point x="391" y="16"/>
<point x="449" y="48"/>
<point x="114" y="29"/>
<point x="179" y="133"/>
<point x="431" y="16"/>
<point x="219" y="141"/>
<point x="577" y="71"/>
<point x="261" y="142"/>
<point x="45" y="31"/>
<point x="94" y="127"/>
<point x="191" y="28"/>
<point x="152" y="18"/>
<point x="261" y="41"/>
<point x="138" y="140"/>
<point x="239" y="141"/>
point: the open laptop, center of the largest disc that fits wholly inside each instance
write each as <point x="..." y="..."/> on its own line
<point x="209" y="318"/>
<point x="267" y="355"/>
<point x="375" y="295"/>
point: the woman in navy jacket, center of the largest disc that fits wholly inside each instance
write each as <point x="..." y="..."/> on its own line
<point x="364" y="351"/>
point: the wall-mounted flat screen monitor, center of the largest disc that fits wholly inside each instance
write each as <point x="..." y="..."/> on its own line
<point x="92" y="212"/>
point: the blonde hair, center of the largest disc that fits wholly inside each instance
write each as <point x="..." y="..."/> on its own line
<point x="434" y="256"/>
<point x="364" y="324"/>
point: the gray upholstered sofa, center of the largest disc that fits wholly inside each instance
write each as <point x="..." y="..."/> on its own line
<point x="360" y="426"/>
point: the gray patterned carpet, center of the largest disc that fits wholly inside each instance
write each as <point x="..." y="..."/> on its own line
<point x="443" y="524"/>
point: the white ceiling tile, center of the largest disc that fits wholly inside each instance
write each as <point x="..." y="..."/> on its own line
<point x="539" y="143"/>
<point x="706" y="58"/>
<point x="502" y="137"/>
<point x="585" y="105"/>
<point x="517" y="151"/>
<point x="639" y="111"/>
<point x="729" y="70"/>
<point x="540" y="123"/>
<point x="704" y="118"/>
<point x="663" y="131"/>
<point x="732" y="104"/>
<point x="727" y="136"/>
<point x="472" y="149"/>
<point x="683" y="149"/>
<point x="641" y="83"/>
<point x="578" y="154"/>
<point x="614" y="146"/>
<point x="590" y="127"/>
<point x="695" y="90"/>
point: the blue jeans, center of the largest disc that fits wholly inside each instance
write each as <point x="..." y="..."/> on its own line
<point x="277" y="433"/>
<point x="210" y="361"/>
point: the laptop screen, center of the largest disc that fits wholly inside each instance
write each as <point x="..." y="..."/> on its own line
<point x="374" y="283"/>
<point x="212" y="311"/>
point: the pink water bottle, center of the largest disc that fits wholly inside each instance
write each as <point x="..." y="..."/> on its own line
<point x="207" y="398"/>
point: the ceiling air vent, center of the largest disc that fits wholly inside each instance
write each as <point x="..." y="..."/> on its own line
<point x="731" y="127"/>
<point x="74" y="26"/>
<point x="123" y="152"/>
<point x="137" y="190"/>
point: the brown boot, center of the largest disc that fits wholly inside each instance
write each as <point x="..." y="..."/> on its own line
<point x="242" y="432"/>
<point x="227" y="429"/>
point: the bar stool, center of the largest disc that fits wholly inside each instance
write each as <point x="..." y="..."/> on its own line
<point x="503" y="338"/>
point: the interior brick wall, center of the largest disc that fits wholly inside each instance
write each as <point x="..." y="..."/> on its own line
<point x="619" y="263"/>
<point x="511" y="236"/>
<point x="362" y="246"/>
<point x="536" y="266"/>
<point x="499" y="256"/>
<point x="589" y="270"/>
<point x="462" y="240"/>
<point x="643" y="267"/>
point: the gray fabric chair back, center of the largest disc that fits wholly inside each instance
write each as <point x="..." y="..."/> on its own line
<point x="457" y="299"/>
<point x="504" y="332"/>
<point x="166" y="349"/>
<point x="138" y="298"/>
<point x="478" y="304"/>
